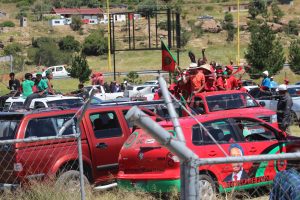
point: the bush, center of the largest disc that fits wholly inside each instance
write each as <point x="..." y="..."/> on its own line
<point x="95" y="44"/>
<point x="7" y="24"/>
<point x="292" y="27"/>
<point x="37" y="43"/>
<point x="185" y="37"/>
<point x="163" y="25"/>
<point x="76" y="23"/>
<point x="294" y="56"/>
<point x="80" y="68"/>
<point x="208" y="8"/>
<point x="13" y="49"/>
<point x="69" y="43"/>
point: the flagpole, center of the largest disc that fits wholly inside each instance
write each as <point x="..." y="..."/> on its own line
<point x="238" y="32"/>
<point x="108" y="39"/>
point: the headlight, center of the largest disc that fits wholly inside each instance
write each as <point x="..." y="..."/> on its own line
<point x="274" y="119"/>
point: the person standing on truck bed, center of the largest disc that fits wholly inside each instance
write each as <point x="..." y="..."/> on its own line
<point x="27" y="86"/>
<point x="284" y="107"/>
<point x="42" y="90"/>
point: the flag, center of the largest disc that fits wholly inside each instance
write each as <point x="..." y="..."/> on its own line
<point x="240" y="68"/>
<point x="168" y="60"/>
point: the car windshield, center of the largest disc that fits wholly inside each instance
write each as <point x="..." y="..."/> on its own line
<point x="230" y="101"/>
<point x="8" y="126"/>
<point x="294" y="92"/>
<point x="70" y="103"/>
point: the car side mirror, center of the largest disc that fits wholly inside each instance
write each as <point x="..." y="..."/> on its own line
<point x="262" y="103"/>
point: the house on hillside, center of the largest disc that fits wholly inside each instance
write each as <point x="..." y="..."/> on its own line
<point x="84" y="13"/>
<point x="119" y="14"/>
<point x="234" y="8"/>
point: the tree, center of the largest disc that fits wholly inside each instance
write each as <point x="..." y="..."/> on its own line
<point x="264" y="51"/>
<point x="132" y="77"/>
<point x="147" y="7"/>
<point x="294" y="56"/>
<point x="15" y="49"/>
<point x="80" y="68"/>
<point x="229" y="26"/>
<point x="69" y="43"/>
<point x="277" y="12"/>
<point x="37" y="43"/>
<point x="257" y="7"/>
<point x="95" y="44"/>
<point x="76" y="23"/>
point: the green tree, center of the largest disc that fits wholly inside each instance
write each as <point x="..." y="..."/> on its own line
<point x="147" y="7"/>
<point x="185" y="37"/>
<point x="76" y="23"/>
<point x="257" y="7"/>
<point x="69" y="43"/>
<point x="294" y="56"/>
<point x="15" y="49"/>
<point x="80" y="68"/>
<point x="132" y="77"/>
<point x="38" y="42"/>
<point x="264" y="51"/>
<point x="277" y="12"/>
<point x="95" y="44"/>
<point x="229" y="26"/>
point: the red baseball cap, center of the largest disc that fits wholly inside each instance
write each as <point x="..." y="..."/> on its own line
<point x="230" y="67"/>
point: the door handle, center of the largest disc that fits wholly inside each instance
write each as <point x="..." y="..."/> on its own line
<point x="101" y="145"/>
<point x="212" y="153"/>
<point x="253" y="149"/>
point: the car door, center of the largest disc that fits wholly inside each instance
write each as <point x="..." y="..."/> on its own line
<point x="260" y="138"/>
<point x="59" y="71"/>
<point x="107" y="135"/>
<point x="230" y="145"/>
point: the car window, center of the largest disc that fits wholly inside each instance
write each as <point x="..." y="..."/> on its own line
<point x="17" y="105"/>
<point x="294" y="92"/>
<point x="39" y="105"/>
<point x="139" y="88"/>
<point x="106" y="125"/>
<point x="48" y="126"/>
<point x="220" y="130"/>
<point x="59" y="69"/>
<point x="254" y="130"/>
<point x="230" y="101"/>
<point x="69" y="103"/>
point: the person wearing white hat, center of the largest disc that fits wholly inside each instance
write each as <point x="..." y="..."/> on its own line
<point x="273" y="84"/>
<point x="284" y="106"/>
<point x="266" y="82"/>
<point x="197" y="79"/>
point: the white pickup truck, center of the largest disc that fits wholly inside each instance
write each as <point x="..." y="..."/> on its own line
<point x="17" y="103"/>
<point x="103" y="95"/>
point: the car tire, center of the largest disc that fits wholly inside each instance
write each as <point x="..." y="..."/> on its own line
<point x="119" y="97"/>
<point x="71" y="181"/>
<point x="207" y="187"/>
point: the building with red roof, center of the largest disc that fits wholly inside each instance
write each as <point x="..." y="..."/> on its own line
<point x="85" y="13"/>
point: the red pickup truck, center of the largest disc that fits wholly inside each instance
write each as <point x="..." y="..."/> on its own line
<point x="104" y="130"/>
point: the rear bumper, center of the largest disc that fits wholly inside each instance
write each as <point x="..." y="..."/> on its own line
<point x="153" y="186"/>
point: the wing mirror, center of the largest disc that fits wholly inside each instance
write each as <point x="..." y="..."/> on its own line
<point x="262" y="103"/>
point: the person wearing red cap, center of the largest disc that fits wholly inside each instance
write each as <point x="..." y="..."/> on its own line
<point x="286" y="81"/>
<point x="210" y="84"/>
<point x="231" y="81"/>
<point x="221" y="80"/>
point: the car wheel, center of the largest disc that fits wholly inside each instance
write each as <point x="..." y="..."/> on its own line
<point x="207" y="187"/>
<point x="119" y="97"/>
<point x="70" y="180"/>
<point x="294" y="118"/>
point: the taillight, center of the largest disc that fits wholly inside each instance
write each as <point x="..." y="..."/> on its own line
<point x="18" y="167"/>
<point x="172" y="160"/>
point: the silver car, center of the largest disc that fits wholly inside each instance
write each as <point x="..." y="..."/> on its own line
<point x="270" y="102"/>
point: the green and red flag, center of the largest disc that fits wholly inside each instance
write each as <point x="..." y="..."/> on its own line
<point x="168" y="60"/>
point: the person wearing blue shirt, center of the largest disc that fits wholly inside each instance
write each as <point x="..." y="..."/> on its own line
<point x="273" y="83"/>
<point x="266" y="80"/>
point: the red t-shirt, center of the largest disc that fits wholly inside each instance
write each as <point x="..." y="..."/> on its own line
<point x="221" y="82"/>
<point x="197" y="81"/>
<point x="231" y="83"/>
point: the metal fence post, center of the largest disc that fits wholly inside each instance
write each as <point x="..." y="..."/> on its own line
<point x="189" y="178"/>
<point x="79" y="145"/>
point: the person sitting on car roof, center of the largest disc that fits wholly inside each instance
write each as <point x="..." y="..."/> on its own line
<point x="27" y="85"/>
<point x="49" y="76"/>
<point x="42" y="87"/>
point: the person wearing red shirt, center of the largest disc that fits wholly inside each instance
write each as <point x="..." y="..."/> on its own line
<point x="231" y="81"/>
<point x="210" y="84"/>
<point x="221" y="80"/>
<point x="196" y="79"/>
